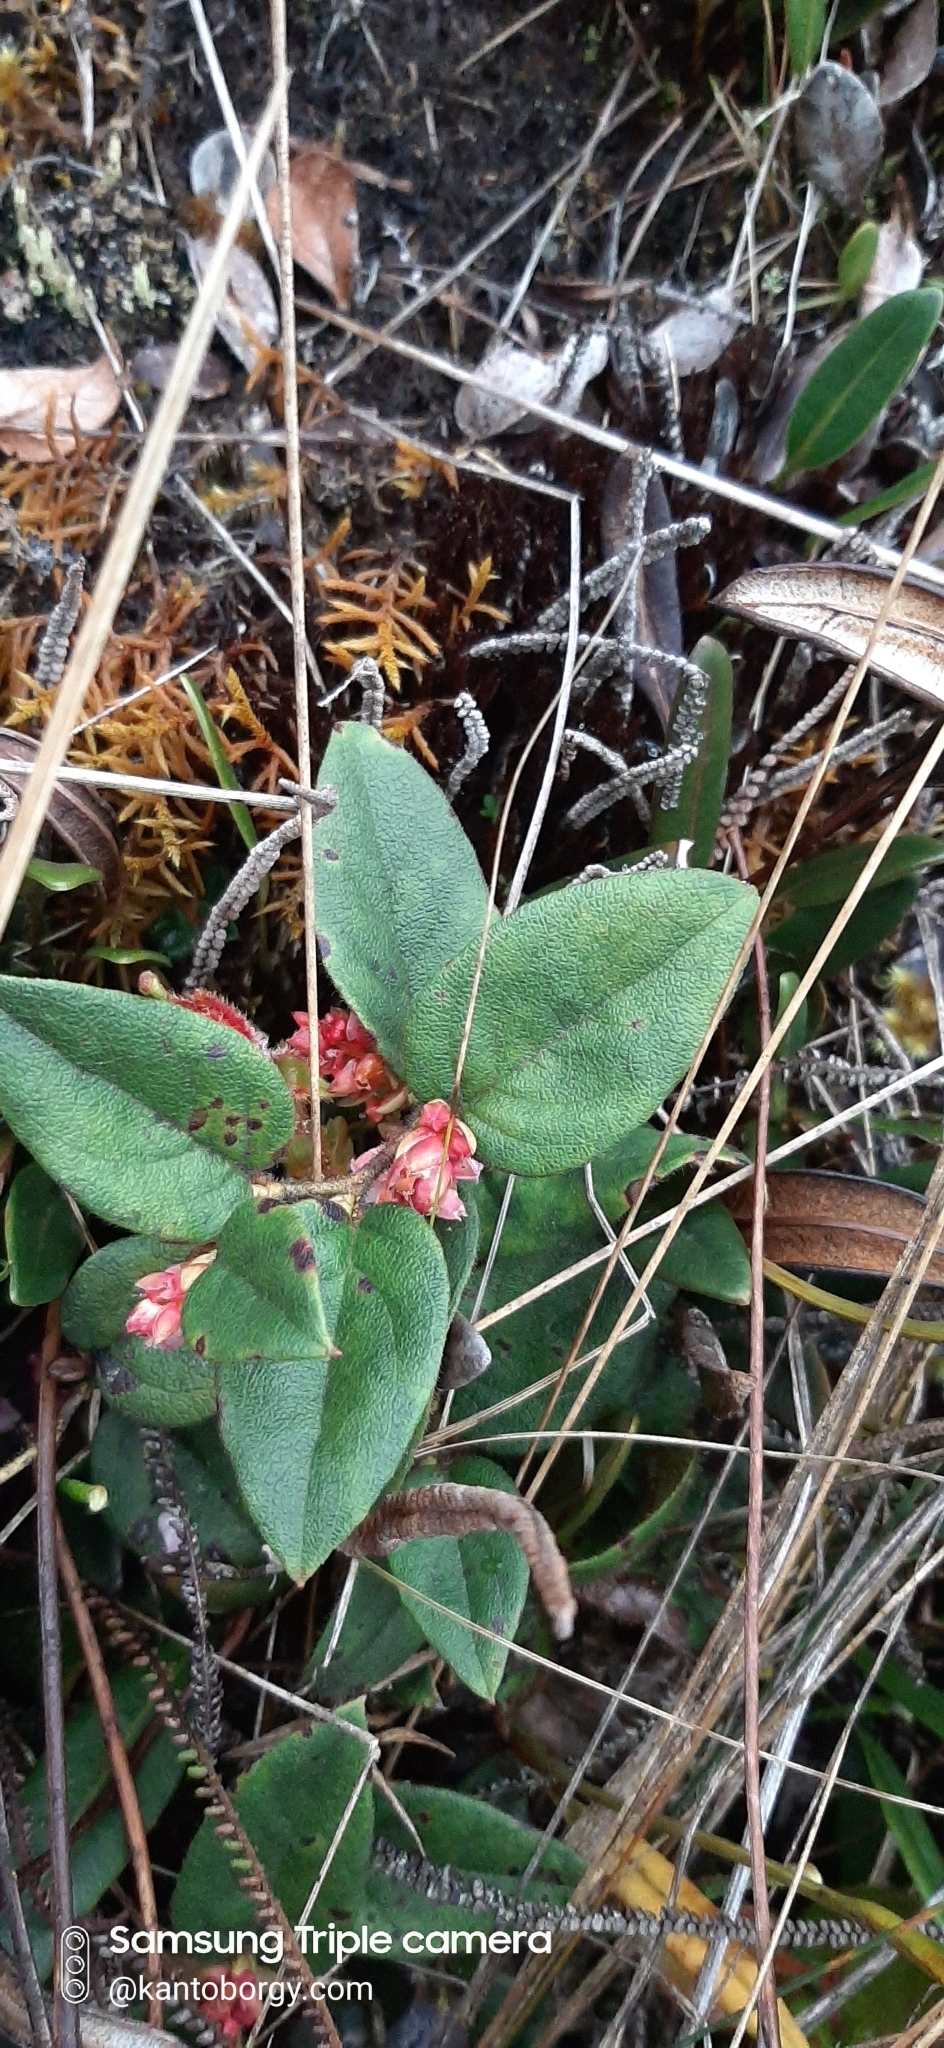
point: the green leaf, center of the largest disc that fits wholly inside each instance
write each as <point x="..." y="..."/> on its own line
<point x="290" y="1803"/>
<point x="397" y="885"/>
<point x="805" y="22"/>
<point x="880" y="913"/>
<point x="859" y="377"/>
<point x="273" y="1289"/>
<point x="924" y="1701"/>
<point x="43" y="1238"/>
<point x="142" y="1110"/>
<point x="592" y="1002"/>
<point x="472" y="1836"/>
<point x="459" y="1244"/>
<point x="697" y="810"/>
<point x="225" y="773"/>
<point x="482" y="1579"/>
<point x="917" y="1847"/>
<point x="116" y="1461"/>
<point x="315" y="1442"/>
<point x="856" y="260"/>
<point x="906" y="492"/>
<point x="59" y="876"/>
<point x="828" y="877"/>
<point x="164" y="1389"/>
<point x="707" y="1256"/>
<point x="125" y="956"/>
<point x="377" y="1636"/>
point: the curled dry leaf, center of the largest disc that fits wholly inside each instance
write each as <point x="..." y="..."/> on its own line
<point x="912" y="53"/>
<point x="465" y="1357"/>
<point x="248" y="317"/>
<point x="704" y="1350"/>
<point x="836" y="606"/>
<point x="632" y="1603"/>
<point x="324" y="219"/>
<point x="450" y="1510"/>
<point x="82" y="822"/>
<point x="896" y="266"/>
<point x="652" y="612"/>
<point x="693" y="337"/>
<point x="835" y="1223"/>
<point x="518" y="379"/>
<point x="839" y="135"/>
<point x="41" y="410"/>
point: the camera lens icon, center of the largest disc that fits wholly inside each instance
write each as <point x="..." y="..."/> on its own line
<point x="74" y="1965"/>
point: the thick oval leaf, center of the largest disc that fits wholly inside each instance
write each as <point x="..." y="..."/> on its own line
<point x="836" y="607"/>
<point x="470" y="1835"/>
<point x="290" y="1803"/>
<point x="273" y="1290"/>
<point x="839" y="134"/>
<point x="165" y="1389"/>
<point x="880" y="912"/>
<point x="482" y="1579"/>
<point x="828" y="877"/>
<point x="805" y="22"/>
<point x="43" y="1238"/>
<point x="143" y="1111"/>
<point x="207" y="1488"/>
<point x="697" y="808"/>
<point x="591" y="1005"/>
<point x="314" y="1443"/>
<point x="861" y="375"/>
<point x="398" y="887"/>
<point x="377" y="1636"/>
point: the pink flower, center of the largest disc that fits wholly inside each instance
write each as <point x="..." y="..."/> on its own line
<point x="157" y="1318"/>
<point x="352" y="1068"/>
<point x="235" y="2003"/>
<point x="423" y="1164"/>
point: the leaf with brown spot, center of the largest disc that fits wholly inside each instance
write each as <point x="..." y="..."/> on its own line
<point x="42" y="409"/>
<point x="836" y="607"/>
<point x="83" y="823"/>
<point x="835" y="1223"/>
<point x="323" y="205"/>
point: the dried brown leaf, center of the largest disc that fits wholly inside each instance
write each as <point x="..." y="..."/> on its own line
<point x="518" y="379"/>
<point x="897" y="265"/>
<point x="836" y="605"/>
<point x="324" y="219"/>
<point x="632" y="1603"/>
<point x="82" y="822"/>
<point x="693" y="337"/>
<point x="704" y="1350"/>
<point x="912" y="53"/>
<point x="839" y="135"/>
<point x="248" y="317"/>
<point x="658" y="615"/>
<point x="835" y="1223"/>
<point x="153" y="364"/>
<point x="465" y="1357"/>
<point x="449" y="1510"/>
<point x="41" y="409"/>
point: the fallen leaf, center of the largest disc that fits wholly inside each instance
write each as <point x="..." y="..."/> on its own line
<point x="704" y="1350"/>
<point x="911" y="54"/>
<point x="658" y="615"/>
<point x="247" y="317"/>
<point x="83" y="823"/>
<point x="835" y="605"/>
<point x="632" y="1603"/>
<point x="41" y="408"/>
<point x="835" y="1223"/>
<point x="465" y="1358"/>
<point x="896" y="266"/>
<point x="517" y="379"/>
<point x="693" y="337"/>
<point x="153" y="364"/>
<point x="324" y="219"/>
<point x="839" y="135"/>
<point x="215" y="167"/>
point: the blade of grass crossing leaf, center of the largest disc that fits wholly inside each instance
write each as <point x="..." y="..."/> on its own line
<point x="221" y="763"/>
<point x="851" y="1311"/>
<point x="907" y="491"/>
<point x="805" y="22"/>
<point x="909" y="1829"/>
<point x="845" y="396"/>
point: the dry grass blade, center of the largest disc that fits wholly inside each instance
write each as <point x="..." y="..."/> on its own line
<point x="126" y="539"/>
<point x="836" y="606"/>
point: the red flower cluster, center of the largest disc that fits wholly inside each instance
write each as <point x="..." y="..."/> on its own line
<point x="424" y="1166"/>
<point x="351" y="1067"/>
<point x="157" y="1317"/>
<point x="236" y="2002"/>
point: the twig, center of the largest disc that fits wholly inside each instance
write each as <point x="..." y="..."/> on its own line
<point x="514" y="28"/>
<point x="65" y="2020"/>
<point x="767" y="2007"/>
<point x="111" y="1731"/>
<point x="126" y="539"/>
